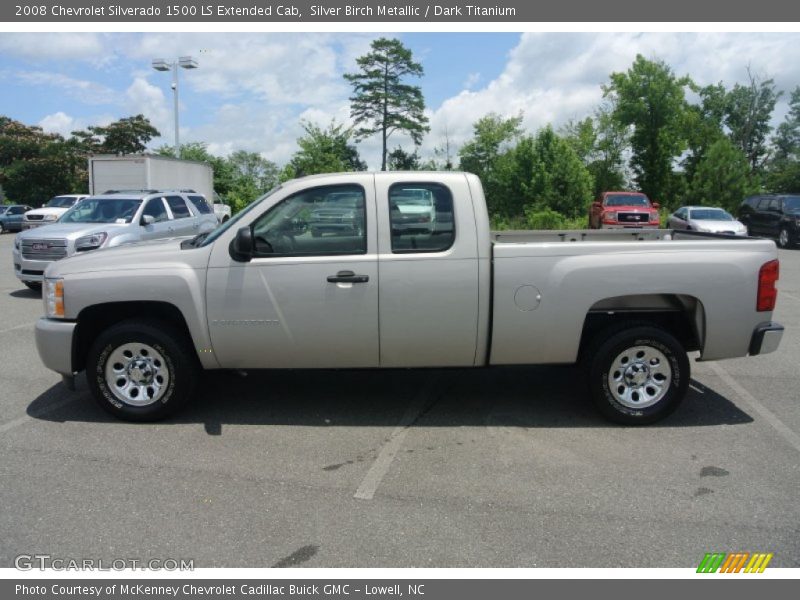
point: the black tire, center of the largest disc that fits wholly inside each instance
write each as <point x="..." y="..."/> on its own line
<point x="180" y="364"/>
<point x="36" y="286"/>
<point x="784" y="238"/>
<point x="608" y="350"/>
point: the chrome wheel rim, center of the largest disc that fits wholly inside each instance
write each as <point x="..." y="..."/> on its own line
<point x="639" y="377"/>
<point x="783" y="237"/>
<point x="137" y="374"/>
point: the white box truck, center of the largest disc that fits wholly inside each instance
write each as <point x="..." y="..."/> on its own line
<point x="149" y="172"/>
<point x="154" y="172"/>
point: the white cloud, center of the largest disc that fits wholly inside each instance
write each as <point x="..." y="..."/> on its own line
<point x="56" y="46"/>
<point x="58" y="122"/>
<point x="88" y="92"/>
<point x="554" y="77"/>
<point x="142" y="97"/>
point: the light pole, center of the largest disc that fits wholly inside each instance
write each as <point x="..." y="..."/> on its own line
<point x="185" y="62"/>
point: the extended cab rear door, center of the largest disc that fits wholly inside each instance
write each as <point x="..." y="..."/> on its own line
<point x="428" y="263"/>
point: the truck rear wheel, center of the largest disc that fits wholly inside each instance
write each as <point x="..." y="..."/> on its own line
<point x="141" y="370"/>
<point x="637" y="374"/>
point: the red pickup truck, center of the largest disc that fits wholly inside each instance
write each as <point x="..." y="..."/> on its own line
<point x="615" y="210"/>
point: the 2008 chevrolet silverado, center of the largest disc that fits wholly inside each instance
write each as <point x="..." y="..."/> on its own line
<point x="409" y="275"/>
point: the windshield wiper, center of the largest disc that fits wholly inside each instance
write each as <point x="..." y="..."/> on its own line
<point x="195" y="241"/>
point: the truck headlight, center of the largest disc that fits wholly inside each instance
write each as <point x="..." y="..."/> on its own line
<point x="50" y="218"/>
<point x="610" y="216"/>
<point x="90" y="242"/>
<point x="54" y="298"/>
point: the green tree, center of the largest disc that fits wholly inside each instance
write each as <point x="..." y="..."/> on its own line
<point x="787" y="136"/>
<point x="558" y="179"/>
<point x="400" y="160"/>
<point x="488" y="155"/>
<point x="784" y="168"/>
<point x="34" y="166"/>
<point x="600" y="143"/>
<point x="381" y="101"/>
<point x="651" y="100"/>
<point x="704" y="125"/>
<point x="748" y="114"/>
<point x="129" y="135"/>
<point x="323" y="151"/>
<point x="722" y="176"/>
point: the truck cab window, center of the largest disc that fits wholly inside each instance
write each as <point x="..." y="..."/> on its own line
<point x="421" y="217"/>
<point x="320" y="221"/>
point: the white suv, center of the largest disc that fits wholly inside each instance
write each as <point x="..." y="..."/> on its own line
<point x="108" y="220"/>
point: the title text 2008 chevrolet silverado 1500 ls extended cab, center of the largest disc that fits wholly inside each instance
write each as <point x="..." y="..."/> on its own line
<point x="399" y="288"/>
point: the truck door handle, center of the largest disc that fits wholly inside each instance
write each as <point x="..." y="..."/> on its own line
<point x="347" y="277"/>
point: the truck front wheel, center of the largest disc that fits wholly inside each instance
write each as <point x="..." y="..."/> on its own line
<point x="141" y="370"/>
<point x="637" y="374"/>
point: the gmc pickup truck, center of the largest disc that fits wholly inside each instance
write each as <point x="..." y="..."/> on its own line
<point x="262" y="292"/>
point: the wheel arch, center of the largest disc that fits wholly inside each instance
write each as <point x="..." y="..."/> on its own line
<point x="680" y="314"/>
<point x="93" y="320"/>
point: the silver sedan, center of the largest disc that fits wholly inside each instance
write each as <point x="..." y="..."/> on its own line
<point x="707" y="219"/>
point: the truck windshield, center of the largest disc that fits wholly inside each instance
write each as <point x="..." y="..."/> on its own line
<point x="60" y="202"/>
<point x="235" y="219"/>
<point x="102" y="210"/>
<point x="710" y="214"/>
<point x="627" y="200"/>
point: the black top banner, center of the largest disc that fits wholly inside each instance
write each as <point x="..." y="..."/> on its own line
<point x="334" y="11"/>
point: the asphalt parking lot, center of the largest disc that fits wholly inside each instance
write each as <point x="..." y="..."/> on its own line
<point x="443" y="468"/>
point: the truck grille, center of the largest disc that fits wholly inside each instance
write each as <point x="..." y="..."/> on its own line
<point x="633" y="217"/>
<point x="34" y="217"/>
<point x="44" y="249"/>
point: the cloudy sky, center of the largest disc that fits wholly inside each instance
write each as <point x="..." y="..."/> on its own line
<point x="252" y="90"/>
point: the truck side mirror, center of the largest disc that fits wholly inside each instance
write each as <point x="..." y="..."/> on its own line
<point x="656" y="205"/>
<point x="241" y="248"/>
<point x="148" y="219"/>
<point x="597" y="204"/>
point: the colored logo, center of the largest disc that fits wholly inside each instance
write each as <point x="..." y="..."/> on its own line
<point x="736" y="562"/>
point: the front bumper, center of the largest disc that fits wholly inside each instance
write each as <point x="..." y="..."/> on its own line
<point x="28" y="270"/>
<point x="54" y="342"/>
<point x="766" y="338"/>
<point x="630" y="225"/>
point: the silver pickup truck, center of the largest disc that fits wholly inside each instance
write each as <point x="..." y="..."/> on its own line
<point x="262" y="292"/>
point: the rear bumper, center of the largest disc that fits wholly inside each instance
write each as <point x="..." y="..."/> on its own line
<point x="766" y="338"/>
<point x="54" y="341"/>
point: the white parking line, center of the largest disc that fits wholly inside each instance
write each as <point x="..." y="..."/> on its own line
<point x="23" y="326"/>
<point x="22" y="420"/>
<point x="786" y="433"/>
<point x="392" y="446"/>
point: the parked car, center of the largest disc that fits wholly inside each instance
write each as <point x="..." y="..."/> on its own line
<point x="52" y="211"/>
<point x="412" y="210"/>
<point x="11" y="218"/>
<point x="340" y="213"/>
<point x="616" y="210"/>
<point x="774" y="216"/>
<point x="706" y="219"/>
<point x="105" y="221"/>
<point x="260" y="292"/>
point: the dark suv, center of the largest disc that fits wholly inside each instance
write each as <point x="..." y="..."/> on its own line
<point x="773" y="215"/>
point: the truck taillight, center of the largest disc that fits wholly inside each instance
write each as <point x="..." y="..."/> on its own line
<point x="767" y="294"/>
